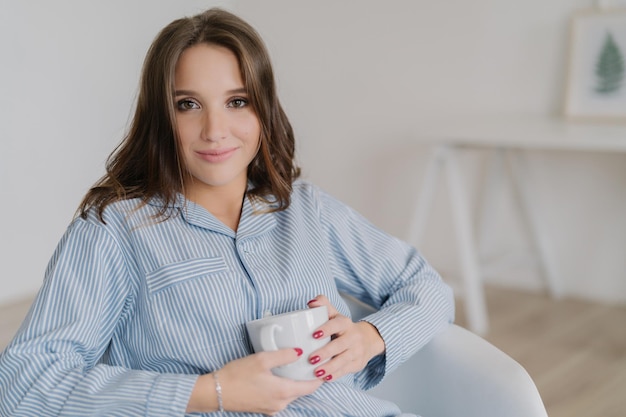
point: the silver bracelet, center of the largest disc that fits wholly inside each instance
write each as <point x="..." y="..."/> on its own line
<point x="218" y="390"/>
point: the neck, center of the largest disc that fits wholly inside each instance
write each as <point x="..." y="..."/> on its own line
<point x="224" y="203"/>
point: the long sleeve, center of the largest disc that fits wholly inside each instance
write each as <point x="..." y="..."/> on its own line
<point x="413" y="301"/>
<point x="131" y="311"/>
<point x="54" y="366"/>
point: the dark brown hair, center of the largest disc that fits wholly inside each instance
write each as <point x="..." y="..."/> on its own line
<point x="148" y="162"/>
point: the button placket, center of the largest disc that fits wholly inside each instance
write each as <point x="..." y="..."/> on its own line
<point x="247" y="252"/>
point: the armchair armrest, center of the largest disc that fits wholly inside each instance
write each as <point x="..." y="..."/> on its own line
<point x="458" y="373"/>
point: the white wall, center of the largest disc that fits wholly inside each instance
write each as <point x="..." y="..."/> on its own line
<point x="360" y="77"/>
<point x="357" y="77"/>
<point x="68" y="78"/>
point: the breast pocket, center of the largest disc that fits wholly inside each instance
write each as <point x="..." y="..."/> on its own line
<point x="184" y="271"/>
<point x="191" y="310"/>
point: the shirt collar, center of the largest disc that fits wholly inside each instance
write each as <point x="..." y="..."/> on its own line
<point x="255" y="216"/>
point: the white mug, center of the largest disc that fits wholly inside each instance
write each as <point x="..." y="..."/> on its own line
<point x="290" y="330"/>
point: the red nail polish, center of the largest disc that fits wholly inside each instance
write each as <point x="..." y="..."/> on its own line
<point x="328" y="377"/>
<point x="298" y="351"/>
<point x="318" y="334"/>
<point x="311" y="301"/>
<point x="320" y="373"/>
<point x="314" y="359"/>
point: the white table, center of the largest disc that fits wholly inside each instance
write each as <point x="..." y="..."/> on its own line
<point x="504" y="135"/>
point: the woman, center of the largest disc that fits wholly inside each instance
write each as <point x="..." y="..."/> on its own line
<point x="201" y="225"/>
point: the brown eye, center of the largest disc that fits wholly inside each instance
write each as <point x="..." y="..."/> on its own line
<point x="238" y="103"/>
<point x="187" y="104"/>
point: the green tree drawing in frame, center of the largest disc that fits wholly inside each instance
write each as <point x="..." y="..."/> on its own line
<point x="610" y="67"/>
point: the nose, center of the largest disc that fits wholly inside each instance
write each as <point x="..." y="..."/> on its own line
<point x="214" y="126"/>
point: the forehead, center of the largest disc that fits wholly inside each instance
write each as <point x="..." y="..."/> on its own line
<point x="206" y="64"/>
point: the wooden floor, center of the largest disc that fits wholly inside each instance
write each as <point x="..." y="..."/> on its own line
<point x="574" y="350"/>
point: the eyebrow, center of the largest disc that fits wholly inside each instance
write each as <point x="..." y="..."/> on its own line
<point x="177" y="93"/>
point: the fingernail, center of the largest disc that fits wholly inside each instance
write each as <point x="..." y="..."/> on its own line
<point x="328" y="377"/>
<point x="298" y="351"/>
<point x="320" y="373"/>
<point x="318" y="334"/>
<point x="315" y="359"/>
<point x="311" y="301"/>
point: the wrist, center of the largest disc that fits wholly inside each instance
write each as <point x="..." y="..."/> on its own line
<point x="376" y="344"/>
<point x="204" y="397"/>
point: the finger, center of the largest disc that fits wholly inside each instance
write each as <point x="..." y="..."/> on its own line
<point x="333" y="348"/>
<point x="322" y="300"/>
<point x="272" y="359"/>
<point x="337" y="325"/>
<point x="341" y="360"/>
<point x="334" y="327"/>
<point x="334" y="369"/>
<point x="300" y="388"/>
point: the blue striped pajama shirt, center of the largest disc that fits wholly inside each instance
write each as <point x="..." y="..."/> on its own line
<point x="132" y="311"/>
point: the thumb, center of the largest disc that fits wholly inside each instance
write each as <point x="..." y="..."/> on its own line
<point x="281" y="357"/>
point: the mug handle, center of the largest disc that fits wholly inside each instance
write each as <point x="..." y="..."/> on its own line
<point x="268" y="341"/>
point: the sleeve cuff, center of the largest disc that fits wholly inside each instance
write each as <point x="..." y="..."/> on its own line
<point x="401" y="341"/>
<point x="170" y="395"/>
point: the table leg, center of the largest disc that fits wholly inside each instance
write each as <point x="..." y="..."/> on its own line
<point x="444" y="157"/>
<point x="518" y="175"/>
<point x="492" y="180"/>
<point x="426" y="196"/>
<point x="476" y="308"/>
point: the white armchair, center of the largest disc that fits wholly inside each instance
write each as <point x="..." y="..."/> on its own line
<point x="459" y="374"/>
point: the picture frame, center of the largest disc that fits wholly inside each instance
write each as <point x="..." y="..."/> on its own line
<point x="596" y="73"/>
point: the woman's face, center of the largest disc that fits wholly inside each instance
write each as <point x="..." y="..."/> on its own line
<point x="218" y="130"/>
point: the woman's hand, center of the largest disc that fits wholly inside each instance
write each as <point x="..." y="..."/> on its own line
<point x="248" y="385"/>
<point x="351" y="347"/>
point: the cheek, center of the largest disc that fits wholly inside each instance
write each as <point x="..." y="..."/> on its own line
<point x="186" y="128"/>
<point x="250" y="129"/>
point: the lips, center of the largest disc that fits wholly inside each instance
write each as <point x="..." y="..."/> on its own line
<point x="216" y="155"/>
